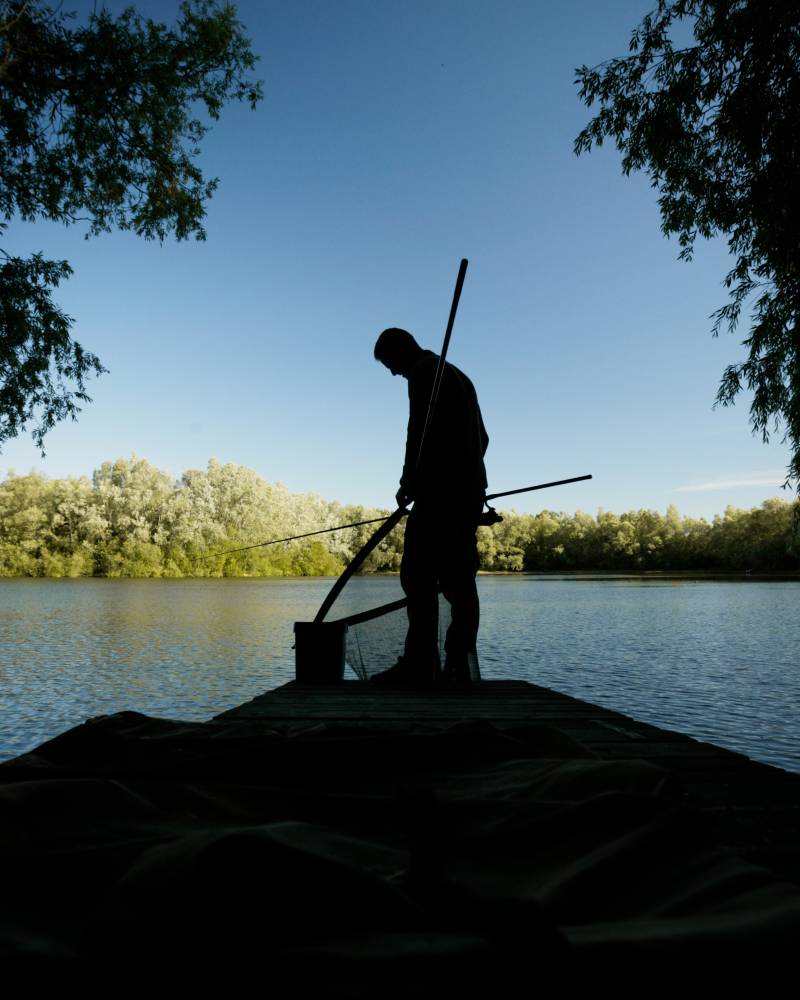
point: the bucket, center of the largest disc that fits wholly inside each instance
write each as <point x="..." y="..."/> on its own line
<point x="319" y="650"/>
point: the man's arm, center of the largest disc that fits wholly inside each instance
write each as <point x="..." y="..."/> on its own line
<point x="420" y="384"/>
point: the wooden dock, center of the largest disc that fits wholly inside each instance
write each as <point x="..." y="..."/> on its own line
<point x="363" y="842"/>
<point x="756" y="807"/>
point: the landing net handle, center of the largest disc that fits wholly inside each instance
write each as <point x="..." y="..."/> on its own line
<point x="401" y="512"/>
<point x="437" y="379"/>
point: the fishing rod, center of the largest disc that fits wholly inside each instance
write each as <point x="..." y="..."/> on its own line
<point x="541" y="486"/>
<point x="293" y="538"/>
<point x="376" y="520"/>
<point x="490" y="515"/>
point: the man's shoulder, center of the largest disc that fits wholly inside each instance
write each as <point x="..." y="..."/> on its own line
<point x="460" y="376"/>
<point x="424" y="369"/>
<point x="426" y="360"/>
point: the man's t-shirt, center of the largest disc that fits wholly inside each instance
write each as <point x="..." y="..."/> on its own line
<point x="451" y="468"/>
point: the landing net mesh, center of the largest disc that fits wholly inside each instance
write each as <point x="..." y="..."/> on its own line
<point x="375" y="637"/>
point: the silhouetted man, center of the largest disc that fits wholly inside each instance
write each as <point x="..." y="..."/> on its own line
<point x="447" y="482"/>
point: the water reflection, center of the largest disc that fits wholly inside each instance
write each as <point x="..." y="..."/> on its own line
<point x="712" y="659"/>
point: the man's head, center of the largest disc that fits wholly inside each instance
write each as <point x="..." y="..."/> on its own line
<point x="398" y="350"/>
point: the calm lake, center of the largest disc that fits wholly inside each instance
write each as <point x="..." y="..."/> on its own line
<point x="716" y="660"/>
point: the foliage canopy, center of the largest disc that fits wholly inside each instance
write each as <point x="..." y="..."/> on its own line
<point x="98" y="124"/>
<point x="716" y="125"/>
<point x="132" y="519"/>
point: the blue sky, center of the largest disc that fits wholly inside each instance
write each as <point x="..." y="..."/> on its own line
<point x="394" y="139"/>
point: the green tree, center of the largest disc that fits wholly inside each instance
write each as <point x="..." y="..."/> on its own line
<point x="98" y="123"/>
<point x="23" y="524"/>
<point x="715" y="124"/>
<point x="133" y="519"/>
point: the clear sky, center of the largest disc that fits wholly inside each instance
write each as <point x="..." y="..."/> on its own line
<point x="395" y="138"/>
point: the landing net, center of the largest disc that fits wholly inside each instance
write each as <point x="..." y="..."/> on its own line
<point x="375" y="637"/>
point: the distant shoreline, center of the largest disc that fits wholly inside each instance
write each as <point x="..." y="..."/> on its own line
<point x="554" y="574"/>
<point x="133" y="521"/>
<point x="651" y="574"/>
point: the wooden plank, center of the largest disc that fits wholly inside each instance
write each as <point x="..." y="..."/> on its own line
<point x="354" y="699"/>
<point x="754" y="806"/>
<point x="707" y="770"/>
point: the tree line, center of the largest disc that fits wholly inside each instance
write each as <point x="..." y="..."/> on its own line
<point x="132" y="519"/>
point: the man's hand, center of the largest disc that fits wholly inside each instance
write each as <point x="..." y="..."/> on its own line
<point x="402" y="498"/>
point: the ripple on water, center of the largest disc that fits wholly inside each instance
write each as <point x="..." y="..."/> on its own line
<point x="713" y="659"/>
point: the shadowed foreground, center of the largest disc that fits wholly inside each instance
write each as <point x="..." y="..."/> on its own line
<point x="374" y="843"/>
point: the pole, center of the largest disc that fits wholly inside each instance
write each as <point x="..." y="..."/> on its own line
<point x="376" y="520"/>
<point x="293" y="538"/>
<point x="437" y="379"/>
<point x="541" y="486"/>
